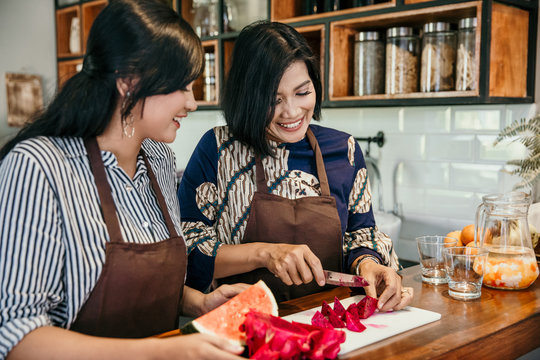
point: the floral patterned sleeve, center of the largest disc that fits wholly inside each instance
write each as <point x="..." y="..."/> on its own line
<point x="362" y="235"/>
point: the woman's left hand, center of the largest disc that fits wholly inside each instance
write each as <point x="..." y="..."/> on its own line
<point x="385" y="284"/>
<point x="221" y="295"/>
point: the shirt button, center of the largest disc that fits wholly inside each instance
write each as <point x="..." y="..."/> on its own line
<point x="145" y="224"/>
<point x="129" y="187"/>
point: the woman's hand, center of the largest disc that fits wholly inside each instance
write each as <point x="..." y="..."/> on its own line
<point x="197" y="346"/>
<point x="293" y="264"/>
<point x="385" y="284"/>
<point x="221" y="295"/>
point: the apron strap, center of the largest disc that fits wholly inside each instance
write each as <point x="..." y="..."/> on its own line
<point x="321" y="170"/>
<point x="160" y="198"/>
<point x="259" y="173"/>
<point x="108" y="207"/>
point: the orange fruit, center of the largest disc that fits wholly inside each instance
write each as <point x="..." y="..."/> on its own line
<point x="470" y="243"/>
<point x="453" y="235"/>
<point x="467" y="234"/>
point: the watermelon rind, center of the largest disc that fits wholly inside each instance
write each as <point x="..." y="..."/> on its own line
<point x="197" y="325"/>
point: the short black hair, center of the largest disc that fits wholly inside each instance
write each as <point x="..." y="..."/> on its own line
<point x="262" y="53"/>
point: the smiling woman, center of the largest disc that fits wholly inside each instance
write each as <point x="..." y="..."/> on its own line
<point x="271" y="196"/>
<point x="92" y="257"/>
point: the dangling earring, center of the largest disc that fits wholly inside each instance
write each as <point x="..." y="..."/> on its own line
<point x="127" y="123"/>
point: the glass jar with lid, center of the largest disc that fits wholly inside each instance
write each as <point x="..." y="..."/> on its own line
<point x="438" y="57"/>
<point x="466" y="74"/>
<point x="401" y="60"/>
<point x="368" y="63"/>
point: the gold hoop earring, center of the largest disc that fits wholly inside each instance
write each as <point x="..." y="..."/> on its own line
<point x="127" y="123"/>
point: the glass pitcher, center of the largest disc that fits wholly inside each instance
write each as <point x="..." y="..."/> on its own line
<point x="501" y="226"/>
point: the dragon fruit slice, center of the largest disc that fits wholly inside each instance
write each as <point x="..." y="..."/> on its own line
<point x="335" y="320"/>
<point x="338" y="307"/>
<point x="265" y="353"/>
<point x="319" y="320"/>
<point x="353" y="323"/>
<point x="325" y="308"/>
<point x="325" y="344"/>
<point x="280" y="335"/>
<point x="366" y="307"/>
<point x="352" y="309"/>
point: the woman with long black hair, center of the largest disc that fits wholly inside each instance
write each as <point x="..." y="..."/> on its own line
<point x="92" y="256"/>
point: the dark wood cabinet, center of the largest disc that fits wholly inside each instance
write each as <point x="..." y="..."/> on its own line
<point x="505" y="55"/>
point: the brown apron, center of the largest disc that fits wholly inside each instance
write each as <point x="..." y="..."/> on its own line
<point x="140" y="288"/>
<point x="312" y="220"/>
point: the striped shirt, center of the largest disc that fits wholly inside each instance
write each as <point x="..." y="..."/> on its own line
<point x="52" y="232"/>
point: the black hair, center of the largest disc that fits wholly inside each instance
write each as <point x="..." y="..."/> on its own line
<point x="262" y="52"/>
<point x="141" y="39"/>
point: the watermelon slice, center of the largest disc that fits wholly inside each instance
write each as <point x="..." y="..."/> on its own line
<point x="225" y="320"/>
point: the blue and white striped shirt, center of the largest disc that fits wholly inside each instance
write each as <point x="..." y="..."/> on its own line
<point x="52" y="232"/>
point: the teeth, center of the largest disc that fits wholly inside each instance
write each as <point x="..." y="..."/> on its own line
<point x="291" y="125"/>
<point x="177" y="119"/>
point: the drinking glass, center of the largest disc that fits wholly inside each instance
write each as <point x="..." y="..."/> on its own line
<point x="430" y="249"/>
<point x="465" y="267"/>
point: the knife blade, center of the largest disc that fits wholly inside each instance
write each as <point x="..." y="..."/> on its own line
<point x="342" y="279"/>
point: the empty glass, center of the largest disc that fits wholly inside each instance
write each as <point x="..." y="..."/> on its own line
<point x="430" y="249"/>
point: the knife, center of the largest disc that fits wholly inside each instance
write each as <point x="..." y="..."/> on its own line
<point x="342" y="279"/>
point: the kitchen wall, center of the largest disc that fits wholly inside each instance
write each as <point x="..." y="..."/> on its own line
<point x="442" y="157"/>
<point x="27" y="45"/>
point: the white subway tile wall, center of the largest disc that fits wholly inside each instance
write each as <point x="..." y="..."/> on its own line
<point x="441" y="158"/>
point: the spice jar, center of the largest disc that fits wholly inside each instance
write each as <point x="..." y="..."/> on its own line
<point x="368" y="63"/>
<point x="401" y="60"/>
<point x="466" y="51"/>
<point x="438" y="57"/>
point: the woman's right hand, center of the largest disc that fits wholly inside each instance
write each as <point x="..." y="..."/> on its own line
<point x="199" y="346"/>
<point x="293" y="264"/>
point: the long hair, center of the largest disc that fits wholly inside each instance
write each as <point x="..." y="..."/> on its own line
<point x="262" y="53"/>
<point x="142" y="39"/>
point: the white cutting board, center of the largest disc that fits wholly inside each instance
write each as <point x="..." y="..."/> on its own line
<point x="379" y="326"/>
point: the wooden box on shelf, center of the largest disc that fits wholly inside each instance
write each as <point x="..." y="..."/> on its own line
<point x="64" y="19"/>
<point x="293" y="10"/>
<point x="90" y="11"/>
<point x="506" y="58"/>
<point x="199" y="85"/>
<point x="66" y="69"/>
<point x="315" y="36"/>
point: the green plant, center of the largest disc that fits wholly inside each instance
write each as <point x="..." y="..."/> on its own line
<point x="527" y="132"/>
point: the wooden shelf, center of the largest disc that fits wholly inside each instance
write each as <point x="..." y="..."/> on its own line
<point x="90" y="11"/>
<point x="66" y="69"/>
<point x="209" y="46"/>
<point x="64" y="17"/>
<point x="86" y="11"/>
<point x="505" y="45"/>
<point x="292" y="11"/>
<point x="342" y="44"/>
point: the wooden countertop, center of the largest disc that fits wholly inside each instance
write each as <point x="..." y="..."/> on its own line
<point x="501" y="324"/>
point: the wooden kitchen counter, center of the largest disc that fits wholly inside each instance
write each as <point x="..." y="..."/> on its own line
<point x="500" y="325"/>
